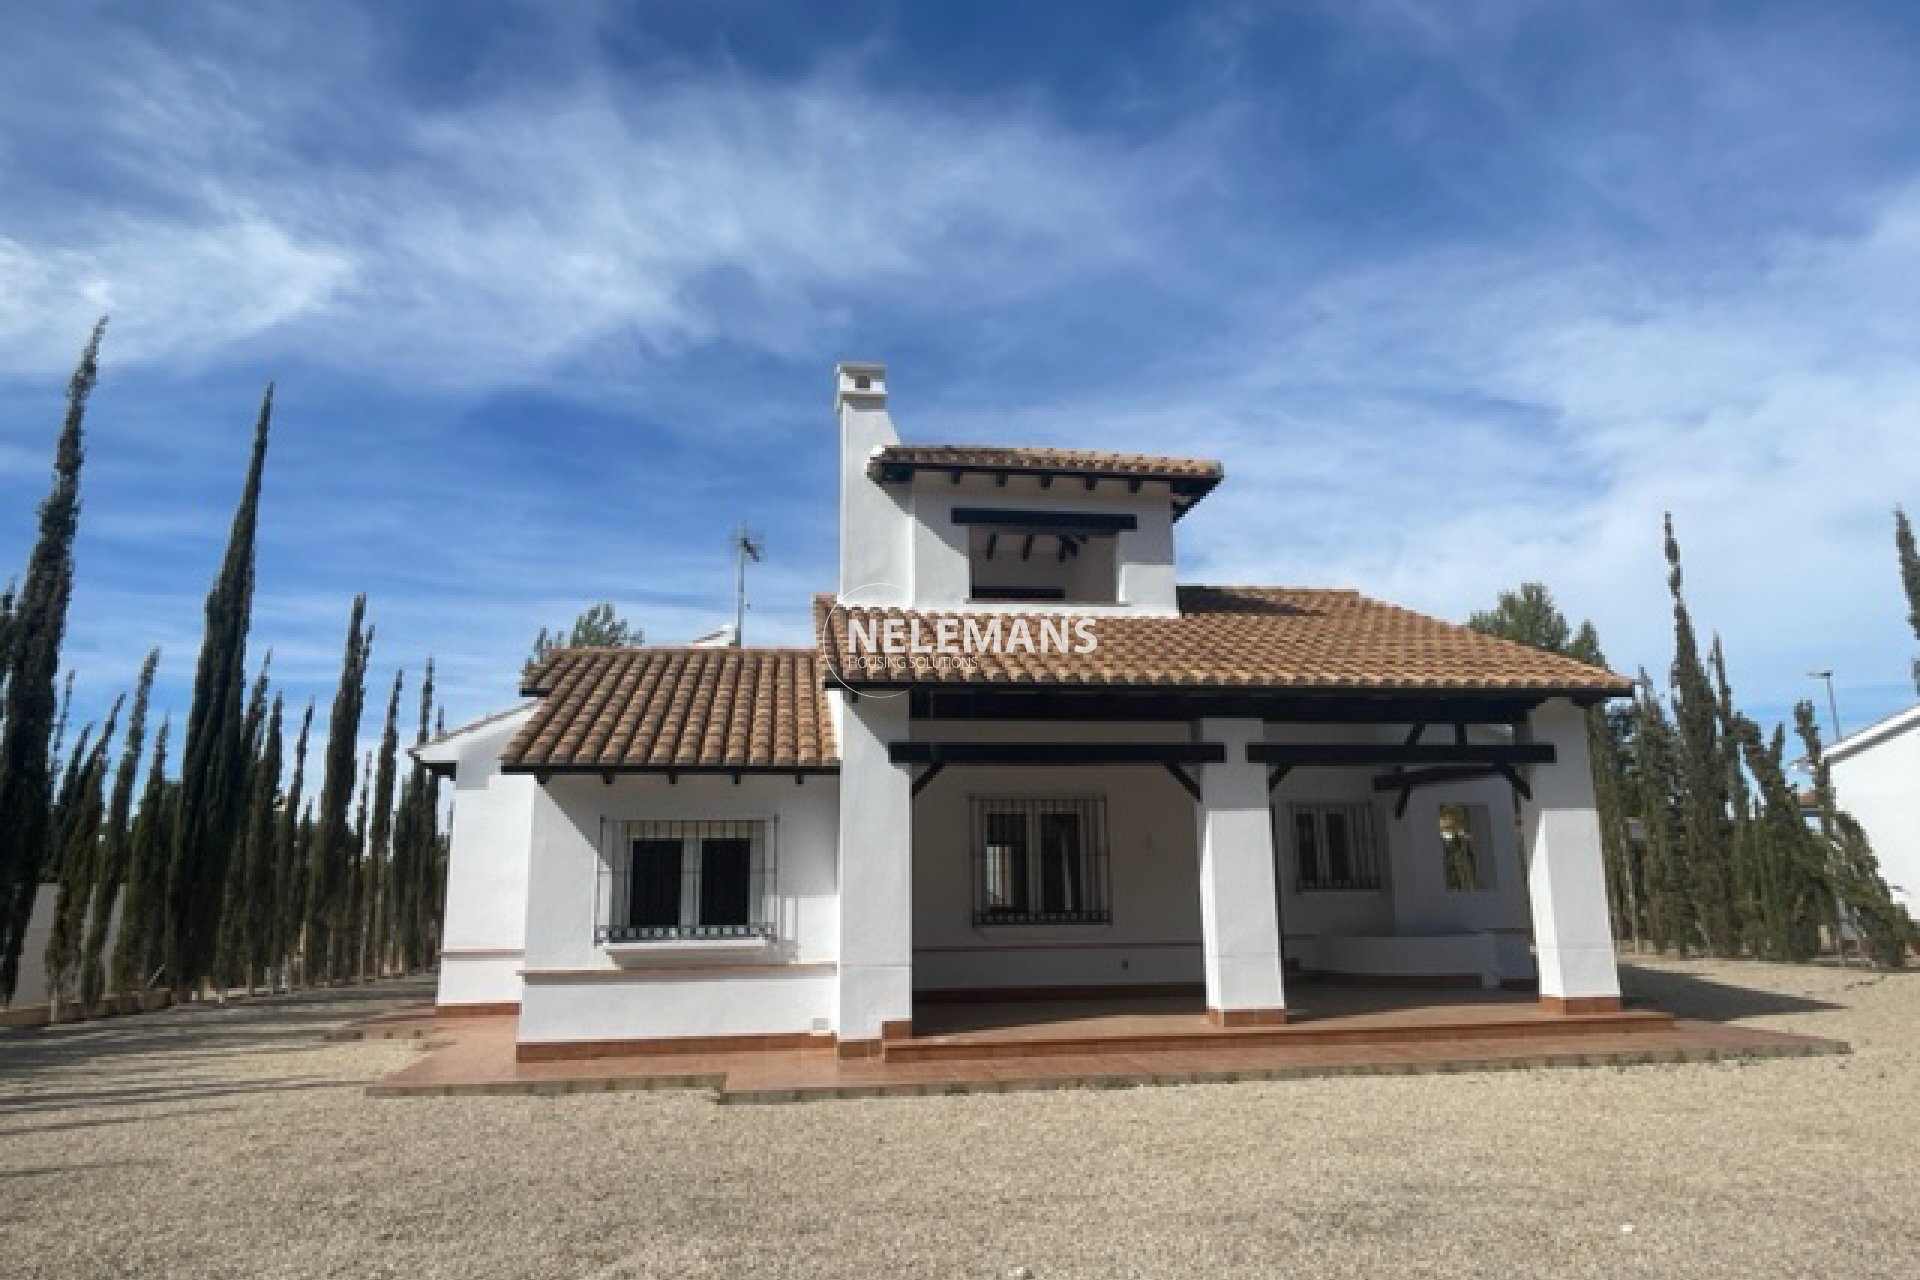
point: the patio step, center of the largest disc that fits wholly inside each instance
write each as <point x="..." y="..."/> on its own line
<point x="973" y="1046"/>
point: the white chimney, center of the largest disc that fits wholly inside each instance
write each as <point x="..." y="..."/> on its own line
<point x="861" y="386"/>
<point x="875" y="524"/>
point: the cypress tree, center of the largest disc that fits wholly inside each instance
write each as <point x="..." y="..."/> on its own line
<point x="6" y="635"/>
<point x="413" y="843"/>
<point x="380" y="877"/>
<point x="54" y="761"/>
<point x="116" y="840"/>
<point x="213" y="764"/>
<point x="353" y="941"/>
<point x="259" y="859"/>
<point x="1751" y="844"/>
<point x="1702" y="774"/>
<point x="78" y="862"/>
<point x="1909" y="576"/>
<point x="290" y="874"/>
<point x="1862" y="894"/>
<point x="137" y="951"/>
<point x="1668" y="905"/>
<point x="230" y="967"/>
<point x="330" y="853"/>
<point x="1787" y="872"/>
<point x="38" y="622"/>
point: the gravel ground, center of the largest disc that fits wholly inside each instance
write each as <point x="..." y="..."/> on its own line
<point x="236" y="1142"/>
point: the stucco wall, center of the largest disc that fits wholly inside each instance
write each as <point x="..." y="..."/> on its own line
<point x="1414" y="898"/>
<point x="486" y="914"/>
<point x="942" y="573"/>
<point x="574" y="987"/>
<point x="1879" y="785"/>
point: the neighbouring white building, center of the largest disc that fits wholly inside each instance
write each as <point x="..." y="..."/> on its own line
<point x="1021" y="759"/>
<point x="1876" y="778"/>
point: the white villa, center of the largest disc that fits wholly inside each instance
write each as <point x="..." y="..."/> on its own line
<point x="1022" y="760"/>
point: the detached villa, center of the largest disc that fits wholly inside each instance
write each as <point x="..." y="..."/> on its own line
<point x="1020" y="761"/>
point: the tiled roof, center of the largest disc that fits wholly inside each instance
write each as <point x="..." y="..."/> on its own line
<point x="1242" y="638"/>
<point x="659" y="709"/>
<point x="1191" y="479"/>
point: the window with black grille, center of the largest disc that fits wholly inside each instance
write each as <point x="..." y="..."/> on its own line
<point x="1335" y="847"/>
<point x="663" y="881"/>
<point x="1040" y="861"/>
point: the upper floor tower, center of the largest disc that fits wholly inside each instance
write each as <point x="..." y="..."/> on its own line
<point x="987" y="528"/>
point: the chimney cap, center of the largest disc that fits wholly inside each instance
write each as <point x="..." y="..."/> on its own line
<point x="860" y="379"/>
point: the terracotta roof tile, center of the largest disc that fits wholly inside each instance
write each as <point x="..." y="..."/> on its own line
<point x="1060" y="461"/>
<point x="1190" y="479"/>
<point x="653" y="708"/>
<point x="1241" y="637"/>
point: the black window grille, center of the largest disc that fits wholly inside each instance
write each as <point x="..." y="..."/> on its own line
<point x="663" y="881"/>
<point x="1335" y="848"/>
<point x="1040" y="861"/>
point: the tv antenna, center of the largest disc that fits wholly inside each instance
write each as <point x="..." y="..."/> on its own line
<point x="746" y="546"/>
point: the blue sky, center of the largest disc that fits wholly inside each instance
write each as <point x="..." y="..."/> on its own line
<point x="1463" y="294"/>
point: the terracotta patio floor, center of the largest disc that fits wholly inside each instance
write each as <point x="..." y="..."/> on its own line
<point x="1081" y="1044"/>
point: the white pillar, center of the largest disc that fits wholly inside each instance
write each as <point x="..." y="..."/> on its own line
<point x="876" y="876"/>
<point x="1239" y="914"/>
<point x="1566" y="876"/>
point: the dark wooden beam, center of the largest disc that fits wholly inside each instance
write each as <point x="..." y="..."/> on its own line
<point x="1018" y="518"/>
<point x="1400" y="805"/>
<point x="1056" y="753"/>
<point x="1100" y="705"/>
<point x="1185" y="780"/>
<point x="1435" y="776"/>
<point x="927" y="775"/>
<point x="1442" y="774"/>
<point x="1520" y="784"/>
<point x="1277" y="775"/>
<point x="1328" y="754"/>
<point x="1027" y="550"/>
<point x="993" y="541"/>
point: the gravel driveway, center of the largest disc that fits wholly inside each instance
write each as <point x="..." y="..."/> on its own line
<point x="236" y="1142"/>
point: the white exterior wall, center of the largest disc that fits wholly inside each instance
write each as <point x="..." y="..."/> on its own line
<point x="1414" y="901"/>
<point x="30" y="984"/>
<point x="1573" y="935"/>
<point x="576" y="990"/>
<point x="1876" y="778"/>
<point x="485" y="922"/>
<point x="1154" y="936"/>
<point x="942" y="572"/>
<point x="876" y="871"/>
<point x="876" y="521"/>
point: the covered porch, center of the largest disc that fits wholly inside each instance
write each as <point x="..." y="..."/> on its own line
<point x="1115" y="867"/>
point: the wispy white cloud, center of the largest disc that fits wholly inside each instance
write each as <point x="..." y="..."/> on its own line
<point x="1459" y="303"/>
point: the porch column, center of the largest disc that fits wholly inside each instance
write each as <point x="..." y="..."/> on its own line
<point x="876" y="877"/>
<point x="1239" y="914"/>
<point x="1566" y="878"/>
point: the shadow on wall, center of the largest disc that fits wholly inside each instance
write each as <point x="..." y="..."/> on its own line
<point x="1689" y="995"/>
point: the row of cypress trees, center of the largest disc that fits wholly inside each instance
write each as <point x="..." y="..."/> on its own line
<point x="223" y="875"/>
<point x="1709" y="847"/>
